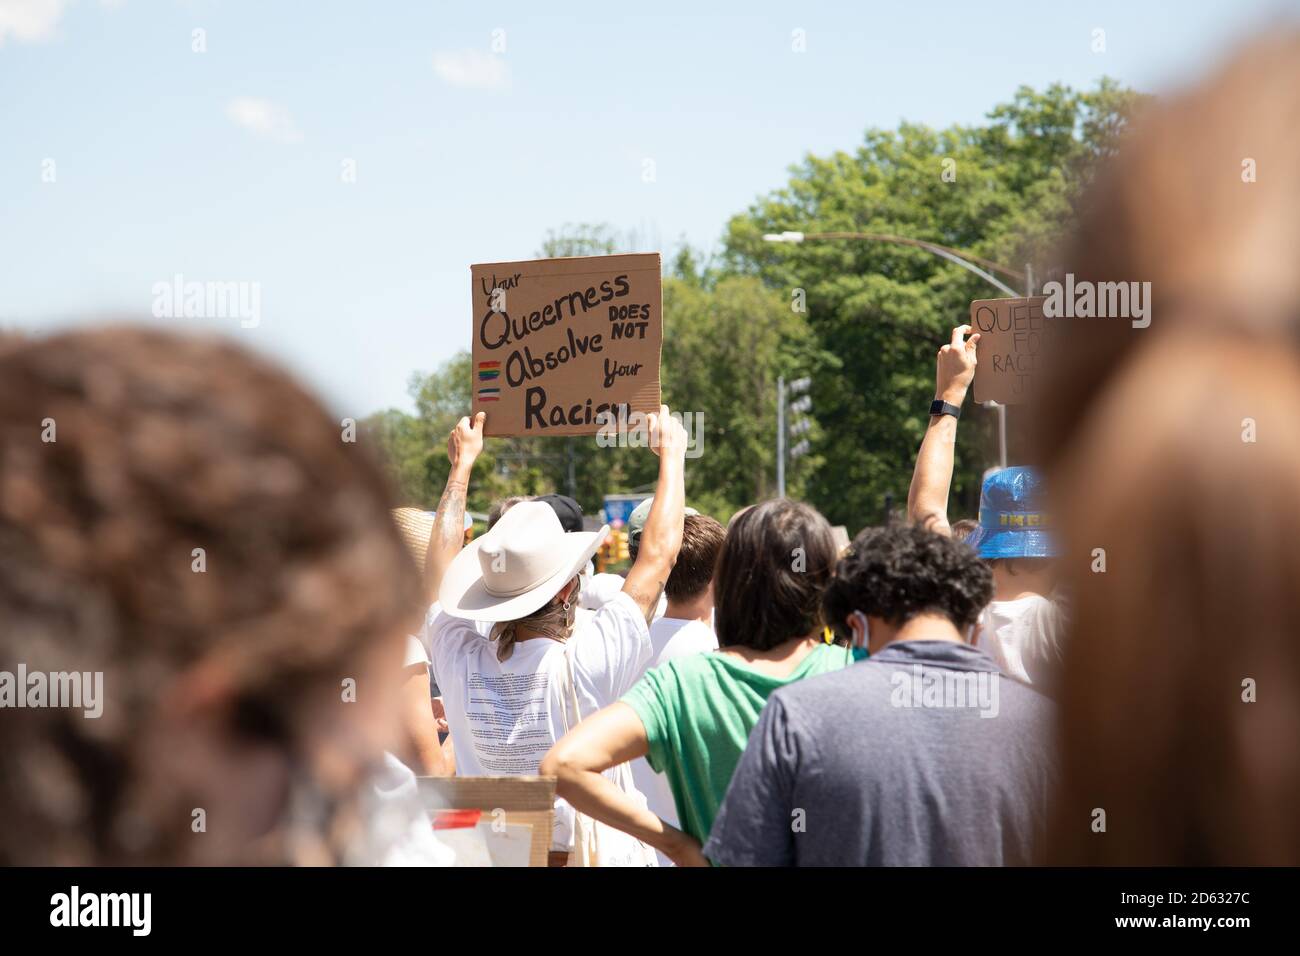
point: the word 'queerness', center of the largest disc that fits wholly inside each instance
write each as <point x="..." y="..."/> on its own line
<point x="498" y="329"/>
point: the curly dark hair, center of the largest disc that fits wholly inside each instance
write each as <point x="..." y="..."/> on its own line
<point x="898" y="572"/>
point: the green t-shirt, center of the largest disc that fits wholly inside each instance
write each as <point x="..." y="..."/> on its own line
<point x="697" y="711"/>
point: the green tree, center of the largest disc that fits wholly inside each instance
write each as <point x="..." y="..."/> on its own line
<point x="883" y="309"/>
<point x="725" y="344"/>
<point x="863" y="319"/>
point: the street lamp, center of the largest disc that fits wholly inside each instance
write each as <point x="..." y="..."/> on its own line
<point x="963" y="259"/>
<point x="955" y="256"/>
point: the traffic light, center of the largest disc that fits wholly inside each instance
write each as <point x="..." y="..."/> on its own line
<point x="793" y="404"/>
<point x="799" y="426"/>
<point x="620" y="538"/>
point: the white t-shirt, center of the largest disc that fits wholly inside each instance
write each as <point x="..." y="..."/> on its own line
<point x="505" y="715"/>
<point x="670" y="637"/>
<point x="598" y="589"/>
<point x="674" y="637"/>
<point x="397" y="830"/>
<point x="418" y="650"/>
<point x="416" y="653"/>
<point x="1024" y="637"/>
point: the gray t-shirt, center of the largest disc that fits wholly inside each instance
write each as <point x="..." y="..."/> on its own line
<point x="924" y="754"/>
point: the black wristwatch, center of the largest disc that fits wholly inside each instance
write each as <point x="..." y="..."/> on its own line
<point x="940" y="407"/>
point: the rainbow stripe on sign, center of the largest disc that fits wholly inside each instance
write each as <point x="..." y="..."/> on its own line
<point x="488" y="373"/>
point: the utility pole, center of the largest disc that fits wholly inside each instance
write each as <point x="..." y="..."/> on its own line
<point x="780" y="436"/>
<point x="573" y="480"/>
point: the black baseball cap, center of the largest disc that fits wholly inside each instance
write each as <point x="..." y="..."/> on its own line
<point x="566" y="509"/>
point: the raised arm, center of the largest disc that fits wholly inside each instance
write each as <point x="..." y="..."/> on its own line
<point x="448" y="535"/>
<point x="927" y="498"/>
<point x="661" y="538"/>
<point x="421" y="727"/>
<point x="606" y="739"/>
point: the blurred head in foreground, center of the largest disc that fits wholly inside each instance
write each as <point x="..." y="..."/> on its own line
<point x="1174" y="458"/>
<point x="185" y="521"/>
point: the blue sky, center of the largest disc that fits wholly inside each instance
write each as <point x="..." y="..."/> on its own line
<point x="226" y="165"/>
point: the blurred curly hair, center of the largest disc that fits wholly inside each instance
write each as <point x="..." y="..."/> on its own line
<point x="897" y="572"/>
<point x="163" y="444"/>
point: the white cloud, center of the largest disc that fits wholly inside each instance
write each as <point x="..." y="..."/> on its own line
<point x="263" y="118"/>
<point x="29" y="21"/>
<point x="472" y="69"/>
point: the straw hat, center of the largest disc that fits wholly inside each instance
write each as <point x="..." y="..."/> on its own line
<point x="518" y="566"/>
<point x="415" y="526"/>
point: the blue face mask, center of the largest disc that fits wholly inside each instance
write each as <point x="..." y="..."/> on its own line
<point x="860" y="653"/>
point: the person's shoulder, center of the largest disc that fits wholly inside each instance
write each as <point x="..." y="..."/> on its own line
<point x="619" y="613"/>
<point x="853" y="681"/>
<point x="682" y="637"/>
<point x="442" y="629"/>
<point x="698" y="630"/>
<point x="615" y="633"/>
<point x="828" y="659"/>
<point x="665" y="627"/>
<point x="600" y="589"/>
<point x="685" y="669"/>
<point x="1027" y="699"/>
<point x="831" y="671"/>
<point x="800" y="707"/>
<point x="439" y="620"/>
<point x="675" y="678"/>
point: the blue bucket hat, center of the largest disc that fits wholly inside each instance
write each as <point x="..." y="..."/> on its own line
<point x="1012" y="521"/>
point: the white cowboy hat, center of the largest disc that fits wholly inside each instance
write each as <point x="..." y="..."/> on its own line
<point x="517" y="567"/>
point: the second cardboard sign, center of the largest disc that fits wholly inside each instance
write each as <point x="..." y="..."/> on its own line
<point x="1013" y="337"/>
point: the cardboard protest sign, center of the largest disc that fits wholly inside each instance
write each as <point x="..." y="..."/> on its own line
<point x="518" y="801"/>
<point x="561" y="343"/>
<point x="1013" y="336"/>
